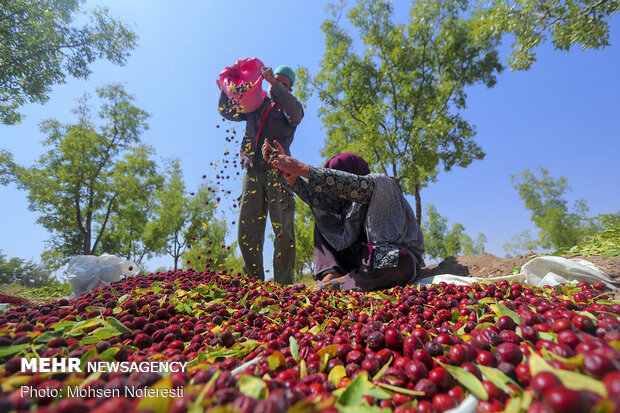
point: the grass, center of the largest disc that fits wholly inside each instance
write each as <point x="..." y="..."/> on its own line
<point x="37" y="295"/>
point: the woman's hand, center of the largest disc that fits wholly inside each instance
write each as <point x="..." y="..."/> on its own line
<point x="269" y="152"/>
<point x="280" y="160"/>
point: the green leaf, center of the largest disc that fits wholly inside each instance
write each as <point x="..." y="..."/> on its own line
<point x="570" y="379"/>
<point x="90" y="340"/>
<point x="46" y="337"/>
<point x="336" y="374"/>
<point x="382" y="296"/>
<point x="401" y="390"/>
<point x="455" y="316"/>
<point x="548" y="336"/>
<point x="514" y="405"/>
<point x="10" y="350"/>
<point x="91" y="377"/>
<point x="252" y="386"/>
<point x="303" y="369"/>
<point x="362" y="409"/>
<point x="500" y="309"/>
<point x="588" y="314"/>
<point x="498" y="378"/>
<point x="276" y="360"/>
<point x="87" y="356"/>
<point x="468" y="380"/>
<point x="377" y="393"/>
<point x="352" y="395"/>
<point x="109" y="353"/>
<point x="197" y="407"/>
<point x="249" y="344"/>
<point x="294" y="348"/>
<point x="117" y="325"/>
<point x="381" y="372"/>
<point x="105" y="333"/>
<point x="62" y="325"/>
<point x="157" y="403"/>
<point x="329" y="350"/>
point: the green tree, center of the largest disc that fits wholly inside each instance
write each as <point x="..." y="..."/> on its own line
<point x="27" y="273"/>
<point x="40" y="45"/>
<point x="435" y="228"/>
<point x="520" y="242"/>
<point x="398" y="103"/>
<point x="441" y="242"/>
<point x="567" y="23"/>
<point x="184" y="224"/>
<point x="7" y="167"/>
<point x="78" y="185"/>
<point x="544" y="196"/>
<point x="126" y="236"/>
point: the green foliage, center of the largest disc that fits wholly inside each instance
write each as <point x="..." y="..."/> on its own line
<point x="41" y="294"/>
<point x="185" y="225"/>
<point x="26" y="273"/>
<point x="544" y="196"/>
<point x="233" y="261"/>
<point x="304" y="242"/>
<point x="398" y="102"/>
<point x="605" y="243"/>
<point x="40" y="45"/>
<point x="520" y="242"/>
<point x="138" y="178"/>
<point x="567" y="23"/>
<point x="441" y="242"/>
<point x="7" y="167"/>
<point x="90" y="175"/>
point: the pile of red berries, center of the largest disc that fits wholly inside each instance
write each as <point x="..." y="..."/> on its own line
<point x="256" y="346"/>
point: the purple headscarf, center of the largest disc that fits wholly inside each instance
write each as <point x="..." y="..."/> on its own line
<point x="348" y="162"/>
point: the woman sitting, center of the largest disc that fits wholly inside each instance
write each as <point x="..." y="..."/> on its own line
<point x="366" y="214"/>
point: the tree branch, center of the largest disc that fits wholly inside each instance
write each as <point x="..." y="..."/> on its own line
<point x="21" y="11"/>
<point x="105" y="222"/>
<point x="78" y="213"/>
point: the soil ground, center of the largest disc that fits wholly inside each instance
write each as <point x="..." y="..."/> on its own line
<point x="488" y="265"/>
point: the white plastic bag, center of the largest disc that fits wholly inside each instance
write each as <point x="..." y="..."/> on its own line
<point x="86" y="272"/>
<point x="538" y="272"/>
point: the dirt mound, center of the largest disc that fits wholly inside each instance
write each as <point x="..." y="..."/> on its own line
<point x="488" y="265"/>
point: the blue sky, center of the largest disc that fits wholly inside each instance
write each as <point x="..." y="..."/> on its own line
<point x="562" y="114"/>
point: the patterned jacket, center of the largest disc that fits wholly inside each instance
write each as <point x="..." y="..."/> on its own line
<point x="389" y="222"/>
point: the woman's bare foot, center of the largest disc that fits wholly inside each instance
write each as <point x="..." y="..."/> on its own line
<point x="330" y="276"/>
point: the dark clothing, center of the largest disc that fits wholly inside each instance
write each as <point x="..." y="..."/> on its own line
<point x="327" y="260"/>
<point x="355" y="264"/>
<point x="339" y="221"/>
<point x="395" y="241"/>
<point x="389" y="223"/>
<point x="264" y="190"/>
<point x="367" y="278"/>
<point x="280" y="124"/>
<point x="258" y="186"/>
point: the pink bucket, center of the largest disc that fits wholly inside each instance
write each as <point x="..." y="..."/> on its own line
<point x="242" y="83"/>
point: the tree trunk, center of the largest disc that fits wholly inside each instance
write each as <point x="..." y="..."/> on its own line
<point x="418" y="203"/>
<point x="86" y="248"/>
